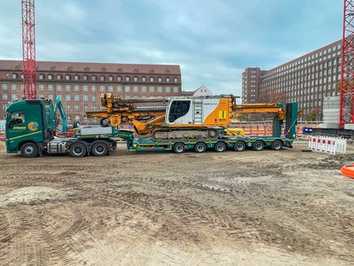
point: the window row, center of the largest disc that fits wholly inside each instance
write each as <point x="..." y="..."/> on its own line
<point x="105" y="78"/>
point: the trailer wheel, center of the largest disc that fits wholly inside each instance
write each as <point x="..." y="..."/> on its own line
<point x="179" y="147"/>
<point x="240" y="146"/>
<point x="104" y="122"/>
<point x="200" y="147"/>
<point x="29" y="150"/>
<point x="220" y="146"/>
<point x="99" y="148"/>
<point x="277" y="145"/>
<point x="78" y="149"/>
<point x="258" y="145"/>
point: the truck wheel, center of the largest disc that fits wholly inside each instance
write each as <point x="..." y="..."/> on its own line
<point x="78" y="149"/>
<point x="240" y="146"/>
<point x="179" y="147"/>
<point x="99" y="148"/>
<point x="200" y="147"/>
<point x="277" y="145"/>
<point x="29" y="150"/>
<point x="104" y="122"/>
<point x="258" y="145"/>
<point x="220" y="146"/>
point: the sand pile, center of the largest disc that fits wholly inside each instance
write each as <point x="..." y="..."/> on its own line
<point x="32" y="195"/>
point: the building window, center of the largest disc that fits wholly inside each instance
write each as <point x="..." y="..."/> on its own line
<point x="85" y="77"/>
<point x="76" y="77"/>
<point x="14" y="76"/>
<point x="135" y="89"/>
<point x="77" y="98"/>
<point x="4" y="86"/>
<point x="94" y="78"/>
<point x="68" y="88"/>
<point x="85" y="88"/>
<point x="127" y="88"/>
<point x="13" y="97"/>
<point x="93" y="88"/>
<point x="136" y="79"/>
<point x="152" y="79"/>
<point x="59" y="87"/>
<point x="127" y="78"/>
<point x="67" y="97"/>
<point x="159" y="89"/>
<point x="58" y="77"/>
<point x="102" y="88"/>
<point x="175" y="90"/>
<point x="76" y="88"/>
<point x="159" y="79"/>
<point x="119" y="78"/>
<point x="119" y="88"/>
<point x="85" y="97"/>
<point x="67" y="77"/>
<point x="50" y="87"/>
<point x="101" y="78"/>
<point x="4" y="97"/>
<point x="168" y="89"/>
<point x="93" y="98"/>
<point x="143" y="88"/>
<point x="110" y="78"/>
<point x="76" y="107"/>
<point x="50" y="76"/>
<point x="143" y="79"/>
<point x="168" y="80"/>
<point x="151" y="89"/>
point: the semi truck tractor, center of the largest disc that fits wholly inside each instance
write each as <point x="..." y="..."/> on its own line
<point x="199" y="124"/>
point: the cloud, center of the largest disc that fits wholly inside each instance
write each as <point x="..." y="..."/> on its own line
<point x="212" y="40"/>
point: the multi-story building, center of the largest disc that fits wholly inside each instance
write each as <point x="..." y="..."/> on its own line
<point x="81" y="84"/>
<point x="251" y="78"/>
<point x="306" y="79"/>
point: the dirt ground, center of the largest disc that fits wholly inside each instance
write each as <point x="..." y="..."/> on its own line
<point x="252" y="208"/>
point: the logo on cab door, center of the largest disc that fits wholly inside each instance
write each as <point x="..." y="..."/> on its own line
<point x="33" y="126"/>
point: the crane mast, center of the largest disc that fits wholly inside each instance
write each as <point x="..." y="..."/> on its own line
<point x="29" y="49"/>
<point x="346" y="112"/>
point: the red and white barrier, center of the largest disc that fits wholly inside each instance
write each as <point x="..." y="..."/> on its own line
<point x="329" y="145"/>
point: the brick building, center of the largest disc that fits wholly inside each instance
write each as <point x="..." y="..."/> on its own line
<point x="251" y="79"/>
<point x="81" y="84"/>
<point x="306" y="79"/>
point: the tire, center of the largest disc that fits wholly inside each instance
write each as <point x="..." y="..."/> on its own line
<point x="78" y="149"/>
<point x="200" y="147"/>
<point x="104" y="122"/>
<point x="220" y="146"/>
<point x="100" y="148"/>
<point x="277" y="145"/>
<point x="258" y="145"/>
<point x="29" y="150"/>
<point x="240" y="146"/>
<point x="179" y="147"/>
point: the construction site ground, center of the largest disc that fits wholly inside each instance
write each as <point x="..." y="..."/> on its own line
<point x="252" y="208"/>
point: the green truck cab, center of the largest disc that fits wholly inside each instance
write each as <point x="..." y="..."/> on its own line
<point x="29" y="124"/>
<point x="32" y="127"/>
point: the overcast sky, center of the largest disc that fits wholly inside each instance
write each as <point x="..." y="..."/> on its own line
<point x="212" y="40"/>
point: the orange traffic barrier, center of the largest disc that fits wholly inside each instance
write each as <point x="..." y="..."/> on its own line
<point x="348" y="170"/>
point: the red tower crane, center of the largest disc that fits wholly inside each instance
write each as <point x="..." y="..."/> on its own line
<point x="29" y="49"/>
<point x="346" y="112"/>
